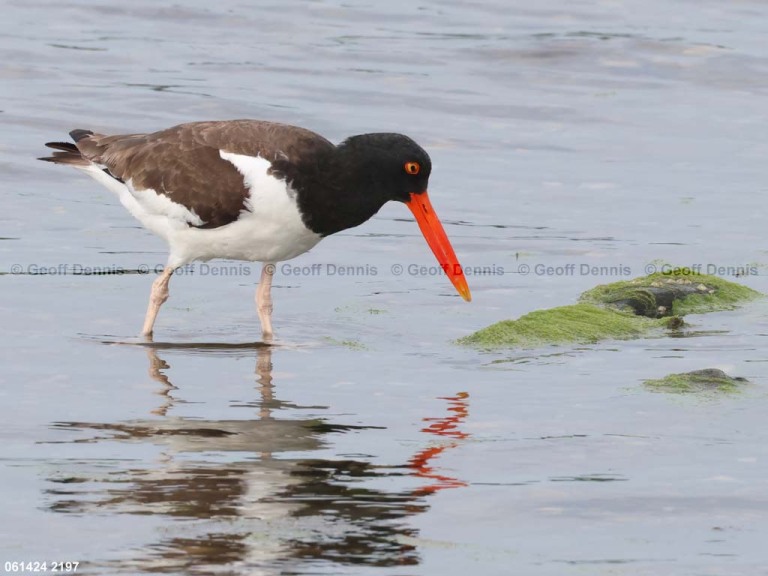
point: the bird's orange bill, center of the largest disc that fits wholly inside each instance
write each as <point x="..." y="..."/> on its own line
<point x="435" y="236"/>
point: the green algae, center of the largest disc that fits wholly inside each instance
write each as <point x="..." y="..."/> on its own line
<point x="351" y="344"/>
<point x="579" y="323"/>
<point x="707" y="380"/>
<point x="620" y="311"/>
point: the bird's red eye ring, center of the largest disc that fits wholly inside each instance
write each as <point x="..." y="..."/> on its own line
<point x="412" y="168"/>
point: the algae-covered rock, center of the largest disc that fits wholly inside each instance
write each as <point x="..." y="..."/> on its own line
<point x="668" y="294"/>
<point x="707" y="380"/>
<point x="621" y="310"/>
<point x="579" y="323"/>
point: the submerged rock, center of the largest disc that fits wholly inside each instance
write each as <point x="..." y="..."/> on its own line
<point x="707" y="380"/>
<point x="659" y="295"/>
<point x="621" y="310"/>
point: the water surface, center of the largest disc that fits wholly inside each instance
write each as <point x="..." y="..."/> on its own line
<point x="607" y="135"/>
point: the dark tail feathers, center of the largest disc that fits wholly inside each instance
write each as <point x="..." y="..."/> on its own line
<point x="67" y="153"/>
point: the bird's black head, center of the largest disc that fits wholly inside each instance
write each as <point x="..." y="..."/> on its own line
<point x="394" y="167"/>
<point x="348" y="186"/>
<point x="364" y="173"/>
<point x="389" y="166"/>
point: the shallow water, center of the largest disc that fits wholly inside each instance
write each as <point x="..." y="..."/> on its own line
<point x="608" y="135"/>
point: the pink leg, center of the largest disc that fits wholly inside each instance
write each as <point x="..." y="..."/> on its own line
<point x="264" y="300"/>
<point x="157" y="297"/>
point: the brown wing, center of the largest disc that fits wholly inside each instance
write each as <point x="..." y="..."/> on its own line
<point x="184" y="162"/>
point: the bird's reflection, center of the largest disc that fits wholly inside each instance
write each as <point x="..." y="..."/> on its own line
<point x="245" y="494"/>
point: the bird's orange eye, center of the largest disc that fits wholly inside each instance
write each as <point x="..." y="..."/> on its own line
<point x="412" y="168"/>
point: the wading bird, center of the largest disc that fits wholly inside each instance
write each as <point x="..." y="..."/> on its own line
<point x="256" y="191"/>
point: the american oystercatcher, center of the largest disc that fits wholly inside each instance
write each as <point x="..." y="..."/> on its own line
<point x="256" y="191"/>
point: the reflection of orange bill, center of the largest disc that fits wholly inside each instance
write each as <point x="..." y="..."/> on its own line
<point x="438" y="241"/>
<point x="420" y="463"/>
<point x="446" y="427"/>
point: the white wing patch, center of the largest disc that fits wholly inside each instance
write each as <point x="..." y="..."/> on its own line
<point x="161" y="205"/>
<point x="156" y="211"/>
